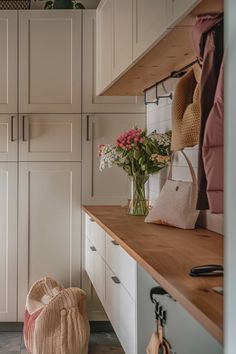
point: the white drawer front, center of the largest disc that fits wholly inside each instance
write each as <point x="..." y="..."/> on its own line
<point x="95" y="268"/>
<point x="96" y="235"/>
<point x="122" y="265"/>
<point x="121" y="310"/>
<point x="89" y="259"/>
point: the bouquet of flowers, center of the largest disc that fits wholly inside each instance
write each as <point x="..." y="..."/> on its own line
<point x="140" y="155"/>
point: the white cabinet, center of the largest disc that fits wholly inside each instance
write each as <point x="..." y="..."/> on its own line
<point x="110" y="186"/>
<point x="176" y="9"/>
<point x="95" y="268"/>
<point x="8" y="242"/>
<point x="121" y="310"/>
<point x="104" y="45"/>
<point x="8" y="61"/>
<point x="119" y="261"/>
<point x="50" y="137"/>
<point x="150" y="24"/>
<point x="50" y="61"/>
<point x="122" y="36"/>
<point x="49" y="224"/>
<point x="91" y="101"/>
<point x="113" y="277"/>
<point x="8" y="137"/>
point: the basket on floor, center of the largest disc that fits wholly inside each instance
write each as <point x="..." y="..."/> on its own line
<point x="55" y="319"/>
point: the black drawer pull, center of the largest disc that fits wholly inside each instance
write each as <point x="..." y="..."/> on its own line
<point x="116" y="280"/>
<point x="93" y="249"/>
<point x="92" y="220"/>
<point x="115" y="243"/>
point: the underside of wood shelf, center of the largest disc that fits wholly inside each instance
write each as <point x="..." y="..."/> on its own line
<point x="171" y="53"/>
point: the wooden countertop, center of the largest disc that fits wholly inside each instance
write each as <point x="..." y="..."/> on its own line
<point x="167" y="254"/>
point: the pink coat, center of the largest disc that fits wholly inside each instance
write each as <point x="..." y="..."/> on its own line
<point x="208" y="42"/>
<point x="213" y="149"/>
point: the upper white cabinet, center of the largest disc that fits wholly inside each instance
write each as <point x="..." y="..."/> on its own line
<point x="49" y="224"/>
<point x="111" y="185"/>
<point x="176" y="9"/>
<point x="8" y="137"/>
<point x="50" y="61"/>
<point x="104" y="45"/>
<point x="150" y="23"/>
<point x="92" y="103"/>
<point x="8" y="242"/>
<point x="50" y="137"/>
<point x="122" y="36"/>
<point x="8" y="61"/>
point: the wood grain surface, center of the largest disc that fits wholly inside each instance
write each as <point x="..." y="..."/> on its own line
<point x="168" y="254"/>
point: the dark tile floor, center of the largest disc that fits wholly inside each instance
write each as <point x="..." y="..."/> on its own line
<point x="100" y="343"/>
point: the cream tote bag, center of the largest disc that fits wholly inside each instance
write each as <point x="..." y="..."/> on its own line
<point x="176" y="203"/>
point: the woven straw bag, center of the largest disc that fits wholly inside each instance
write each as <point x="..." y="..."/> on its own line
<point x="55" y="319"/>
<point x="186" y="111"/>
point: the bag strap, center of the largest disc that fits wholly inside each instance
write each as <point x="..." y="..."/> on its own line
<point x="194" y="178"/>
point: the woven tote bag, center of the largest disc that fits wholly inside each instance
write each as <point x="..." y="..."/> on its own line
<point x="176" y="203"/>
<point x="55" y="319"/>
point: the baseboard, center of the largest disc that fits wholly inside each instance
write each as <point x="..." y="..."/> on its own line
<point x="11" y="326"/>
<point x="101" y="326"/>
<point x="95" y="326"/>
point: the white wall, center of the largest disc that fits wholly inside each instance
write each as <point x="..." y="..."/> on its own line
<point x="159" y="118"/>
<point x="230" y="178"/>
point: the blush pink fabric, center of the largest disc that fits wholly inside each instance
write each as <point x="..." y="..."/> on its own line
<point x="208" y="40"/>
<point x="213" y="149"/>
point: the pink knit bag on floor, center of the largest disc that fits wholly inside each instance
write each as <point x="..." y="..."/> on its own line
<point x="55" y="319"/>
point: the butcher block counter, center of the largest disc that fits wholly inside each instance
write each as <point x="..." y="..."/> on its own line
<point x="168" y="254"/>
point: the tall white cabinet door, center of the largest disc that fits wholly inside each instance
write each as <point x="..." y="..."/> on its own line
<point x="8" y="137"/>
<point x="177" y="9"/>
<point x="150" y="23"/>
<point x="50" y="137"/>
<point x="104" y="45"/>
<point x="93" y="103"/>
<point x="122" y="36"/>
<point x="8" y="61"/>
<point x="50" y="61"/>
<point x="110" y="186"/>
<point x="49" y="224"/>
<point x="8" y="242"/>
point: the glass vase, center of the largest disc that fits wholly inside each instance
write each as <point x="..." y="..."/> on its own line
<point x="139" y="203"/>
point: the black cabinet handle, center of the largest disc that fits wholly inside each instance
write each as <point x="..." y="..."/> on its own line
<point x="93" y="249"/>
<point x="116" y="280"/>
<point x="115" y="243"/>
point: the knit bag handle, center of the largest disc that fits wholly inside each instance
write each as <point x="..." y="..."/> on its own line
<point x="194" y="178"/>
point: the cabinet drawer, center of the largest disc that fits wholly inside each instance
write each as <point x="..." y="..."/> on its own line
<point x="50" y="137"/>
<point x="119" y="261"/>
<point x="89" y="258"/>
<point x="96" y="235"/>
<point x="95" y="268"/>
<point x="121" y="310"/>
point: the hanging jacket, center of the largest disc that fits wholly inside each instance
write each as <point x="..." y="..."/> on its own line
<point x="208" y="42"/>
<point x="213" y="149"/>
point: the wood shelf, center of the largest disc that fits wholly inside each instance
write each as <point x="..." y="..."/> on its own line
<point x="168" y="254"/>
<point x="171" y="53"/>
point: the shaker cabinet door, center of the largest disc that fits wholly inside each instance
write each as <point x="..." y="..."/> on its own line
<point x="91" y="101"/>
<point x="111" y="186"/>
<point x="8" y="242"/>
<point x="49" y="224"/>
<point x="50" y="137"/>
<point x="8" y="61"/>
<point x="8" y="137"/>
<point x="150" y="23"/>
<point x="50" y="61"/>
